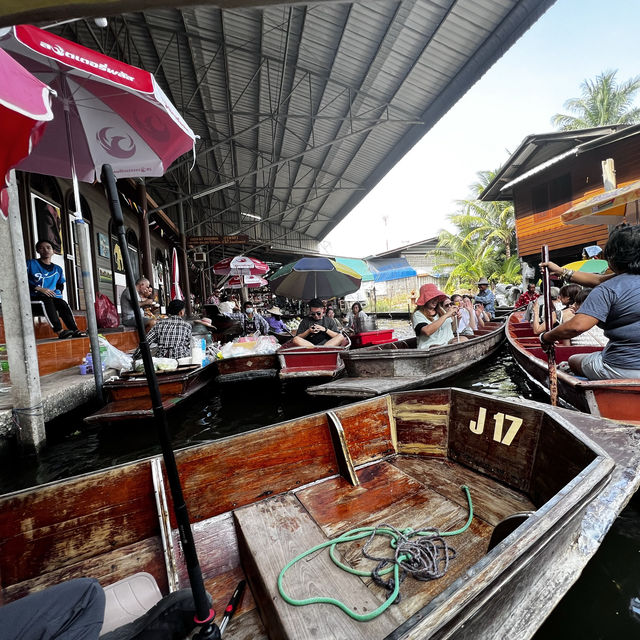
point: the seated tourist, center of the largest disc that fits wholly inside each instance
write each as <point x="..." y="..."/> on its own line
<point x="274" y="320"/>
<point x="467" y="323"/>
<point x="356" y="318"/>
<point x="46" y="283"/>
<point x="530" y="295"/>
<point x="567" y="297"/>
<point x="144" y="289"/>
<point x="615" y="303"/>
<point x="432" y="322"/>
<point x="172" y="335"/>
<point x="538" y="321"/>
<point x="486" y="297"/>
<point x="317" y="330"/>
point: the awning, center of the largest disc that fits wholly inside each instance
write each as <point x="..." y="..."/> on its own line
<point x="605" y="208"/>
<point x="359" y="266"/>
<point x="384" y="269"/>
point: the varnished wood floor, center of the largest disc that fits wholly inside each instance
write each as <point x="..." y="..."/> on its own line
<point x="403" y="492"/>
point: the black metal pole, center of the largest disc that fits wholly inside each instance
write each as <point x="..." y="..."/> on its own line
<point x="204" y="613"/>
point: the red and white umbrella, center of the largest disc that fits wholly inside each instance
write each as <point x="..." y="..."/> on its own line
<point x="176" y="291"/>
<point x="240" y="266"/>
<point x="106" y="111"/>
<point x="252" y="282"/>
<point x="25" y="108"/>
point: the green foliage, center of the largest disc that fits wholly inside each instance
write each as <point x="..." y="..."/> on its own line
<point x="482" y="244"/>
<point x="603" y="101"/>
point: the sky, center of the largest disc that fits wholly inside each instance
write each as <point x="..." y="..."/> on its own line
<point x="573" y="41"/>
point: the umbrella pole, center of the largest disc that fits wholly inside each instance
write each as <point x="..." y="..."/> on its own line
<point x="204" y="613"/>
<point x="85" y="264"/>
<point x="548" y="318"/>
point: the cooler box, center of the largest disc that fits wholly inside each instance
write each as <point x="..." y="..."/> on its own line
<point x="367" y="338"/>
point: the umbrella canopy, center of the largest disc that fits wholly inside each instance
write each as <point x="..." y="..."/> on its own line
<point x="314" y="278"/>
<point x="605" y="208"/>
<point x="252" y="282"/>
<point x="25" y="108"/>
<point x="176" y="291"/>
<point x="106" y="112"/>
<point x="588" y="266"/>
<point x="240" y="266"/>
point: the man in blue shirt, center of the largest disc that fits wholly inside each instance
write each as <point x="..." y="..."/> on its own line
<point x="46" y="283"/>
<point x="486" y="297"/>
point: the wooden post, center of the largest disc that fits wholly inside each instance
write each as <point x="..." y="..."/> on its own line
<point x="145" y="236"/>
<point x="184" y="263"/>
<point x="609" y="174"/>
<point x="18" y="326"/>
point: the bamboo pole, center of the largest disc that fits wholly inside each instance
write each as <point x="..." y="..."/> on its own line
<point x="548" y="318"/>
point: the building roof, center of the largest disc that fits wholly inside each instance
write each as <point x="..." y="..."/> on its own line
<point x="539" y="151"/>
<point x="301" y="108"/>
<point x="420" y="247"/>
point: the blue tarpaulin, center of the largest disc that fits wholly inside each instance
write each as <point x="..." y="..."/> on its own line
<point x="384" y="269"/>
<point x="359" y="266"/>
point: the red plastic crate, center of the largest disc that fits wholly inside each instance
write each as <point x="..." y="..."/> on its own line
<point x="367" y="338"/>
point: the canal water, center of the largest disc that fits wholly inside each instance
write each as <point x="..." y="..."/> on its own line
<point x="604" y="603"/>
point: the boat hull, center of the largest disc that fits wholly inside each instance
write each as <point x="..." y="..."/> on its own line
<point x="614" y="399"/>
<point x="398" y="459"/>
<point x="400" y="366"/>
<point x="247" y="368"/>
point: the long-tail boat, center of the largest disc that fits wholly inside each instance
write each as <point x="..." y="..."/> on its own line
<point x="617" y="399"/>
<point x="259" y="499"/>
<point x="396" y="366"/>
<point x="247" y="368"/>
<point x="128" y="396"/>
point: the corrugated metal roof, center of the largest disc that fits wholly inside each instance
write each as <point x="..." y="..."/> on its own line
<point x="305" y="107"/>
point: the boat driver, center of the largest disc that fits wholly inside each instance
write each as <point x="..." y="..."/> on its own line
<point x="317" y="330"/>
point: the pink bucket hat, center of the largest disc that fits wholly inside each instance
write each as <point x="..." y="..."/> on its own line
<point x="429" y="292"/>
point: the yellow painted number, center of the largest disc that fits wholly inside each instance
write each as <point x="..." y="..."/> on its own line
<point x="477" y="426"/>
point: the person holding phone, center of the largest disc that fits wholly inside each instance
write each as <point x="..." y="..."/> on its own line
<point x="316" y="329"/>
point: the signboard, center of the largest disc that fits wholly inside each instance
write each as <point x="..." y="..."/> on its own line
<point x="196" y="240"/>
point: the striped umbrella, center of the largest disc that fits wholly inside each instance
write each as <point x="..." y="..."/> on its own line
<point x="314" y="278"/>
<point x="240" y="266"/>
<point x="252" y="282"/>
<point x="176" y="291"/>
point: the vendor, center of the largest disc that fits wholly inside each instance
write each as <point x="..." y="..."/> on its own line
<point x="250" y="321"/>
<point x="172" y="335"/>
<point x="274" y="320"/>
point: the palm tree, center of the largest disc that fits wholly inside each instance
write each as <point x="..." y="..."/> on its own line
<point x="493" y="221"/>
<point x="603" y="102"/>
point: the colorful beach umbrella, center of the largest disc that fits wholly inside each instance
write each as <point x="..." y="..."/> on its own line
<point x="588" y="266"/>
<point x="176" y="291"/>
<point x="25" y="109"/>
<point x="240" y="266"/>
<point x="251" y="282"/>
<point x="314" y="278"/>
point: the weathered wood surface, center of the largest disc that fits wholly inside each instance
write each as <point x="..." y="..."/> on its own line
<point x="271" y="533"/>
<point x="364" y="387"/>
<point x="246" y="368"/>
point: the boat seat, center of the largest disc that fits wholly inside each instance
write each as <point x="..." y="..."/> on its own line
<point x="128" y="599"/>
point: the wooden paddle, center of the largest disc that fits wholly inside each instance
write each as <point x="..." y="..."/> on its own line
<point x="548" y="319"/>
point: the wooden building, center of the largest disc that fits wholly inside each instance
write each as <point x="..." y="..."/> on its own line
<point x="550" y="173"/>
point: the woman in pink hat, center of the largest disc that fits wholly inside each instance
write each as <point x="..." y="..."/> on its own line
<point x="433" y="318"/>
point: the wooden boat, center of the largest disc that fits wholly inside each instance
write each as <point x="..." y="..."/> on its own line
<point x="396" y="366"/>
<point x="307" y="364"/>
<point x="247" y="368"/>
<point x="128" y="396"/>
<point x="260" y="498"/>
<point x="615" y="399"/>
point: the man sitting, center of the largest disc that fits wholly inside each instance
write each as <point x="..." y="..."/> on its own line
<point x="530" y="295"/>
<point x="318" y="330"/>
<point x="46" y="283"/>
<point x="143" y="287"/>
<point x="172" y="334"/>
<point x="250" y="321"/>
<point x="486" y="297"/>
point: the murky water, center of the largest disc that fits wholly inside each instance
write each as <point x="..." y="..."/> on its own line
<point x="600" y="606"/>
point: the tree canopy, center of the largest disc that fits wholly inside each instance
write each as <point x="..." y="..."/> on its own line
<point x="604" y="101"/>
